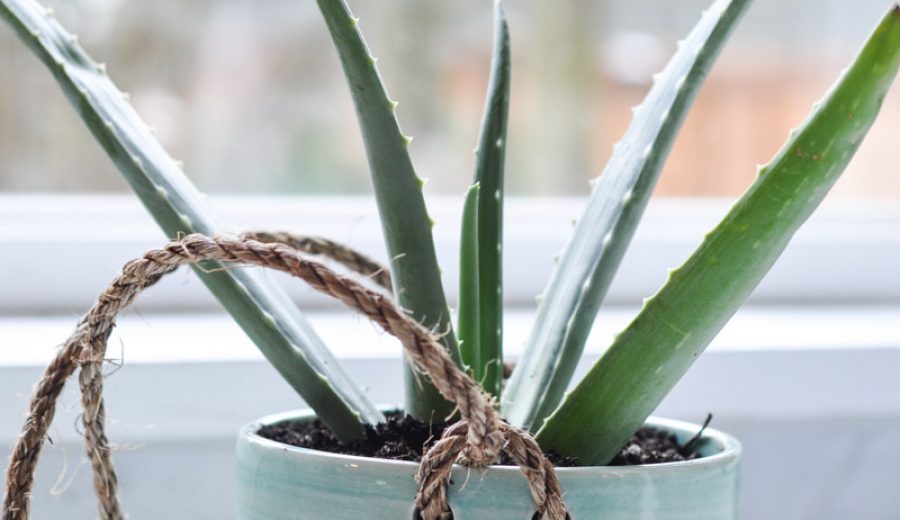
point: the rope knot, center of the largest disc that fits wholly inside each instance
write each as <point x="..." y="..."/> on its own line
<point x="455" y="446"/>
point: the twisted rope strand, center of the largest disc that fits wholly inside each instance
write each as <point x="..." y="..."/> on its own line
<point x="349" y="258"/>
<point x="437" y="464"/>
<point x="476" y="440"/>
<point x="94" y="327"/>
<point x="545" y="489"/>
<point x="434" y="471"/>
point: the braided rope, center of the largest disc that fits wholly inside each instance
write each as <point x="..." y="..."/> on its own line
<point x="475" y="441"/>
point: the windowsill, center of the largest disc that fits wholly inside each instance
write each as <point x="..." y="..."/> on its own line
<point x="148" y="339"/>
<point x="191" y="373"/>
<point x="774" y="375"/>
<point x="190" y="376"/>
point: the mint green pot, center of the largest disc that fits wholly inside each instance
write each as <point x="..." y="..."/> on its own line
<point x="276" y="482"/>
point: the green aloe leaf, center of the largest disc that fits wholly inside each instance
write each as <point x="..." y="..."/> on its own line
<point x="675" y="326"/>
<point x="468" y="318"/>
<point x="261" y="308"/>
<point x="401" y="205"/>
<point x="490" y="158"/>
<point x="569" y="305"/>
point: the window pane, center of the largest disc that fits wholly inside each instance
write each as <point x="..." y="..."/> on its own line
<point x="249" y="95"/>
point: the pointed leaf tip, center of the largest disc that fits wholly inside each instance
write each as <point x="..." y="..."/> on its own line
<point x="489" y="173"/>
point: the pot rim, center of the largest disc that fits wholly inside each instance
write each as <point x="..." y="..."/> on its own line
<point x="729" y="447"/>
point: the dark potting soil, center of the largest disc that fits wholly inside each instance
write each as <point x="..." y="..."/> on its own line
<point x="402" y="437"/>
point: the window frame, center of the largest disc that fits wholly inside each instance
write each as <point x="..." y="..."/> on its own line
<point x="59" y="251"/>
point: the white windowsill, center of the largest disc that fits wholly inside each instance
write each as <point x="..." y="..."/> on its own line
<point x="819" y="338"/>
<point x="185" y="338"/>
<point x="197" y="376"/>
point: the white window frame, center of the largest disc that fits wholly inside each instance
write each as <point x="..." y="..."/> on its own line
<point x="59" y="251"/>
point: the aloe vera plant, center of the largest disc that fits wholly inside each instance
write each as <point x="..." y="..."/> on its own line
<point x="644" y="361"/>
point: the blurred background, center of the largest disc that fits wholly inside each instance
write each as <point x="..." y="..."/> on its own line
<point x="250" y="96"/>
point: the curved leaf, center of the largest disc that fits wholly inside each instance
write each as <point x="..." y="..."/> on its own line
<point x="259" y="307"/>
<point x="569" y="305"/>
<point x="401" y="205"/>
<point x="675" y="326"/>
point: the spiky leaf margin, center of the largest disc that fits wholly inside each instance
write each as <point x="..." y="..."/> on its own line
<point x="569" y="305"/>
<point x="646" y="360"/>
<point x="259" y="307"/>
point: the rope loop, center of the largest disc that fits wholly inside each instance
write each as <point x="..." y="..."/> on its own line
<point x="476" y="440"/>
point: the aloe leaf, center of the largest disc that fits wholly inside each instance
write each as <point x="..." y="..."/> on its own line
<point x="261" y="308"/>
<point x="490" y="158"/>
<point x="578" y="284"/>
<point x="675" y="326"/>
<point x="401" y="204"/>
<point x="468" y="318"/>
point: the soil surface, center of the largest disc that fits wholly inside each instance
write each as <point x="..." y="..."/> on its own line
<point x="402" y="437"/>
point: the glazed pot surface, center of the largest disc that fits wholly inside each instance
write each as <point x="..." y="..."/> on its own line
<point x="280" y="482"/>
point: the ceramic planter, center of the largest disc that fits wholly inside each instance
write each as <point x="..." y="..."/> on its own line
<point x="276" y="482"/>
